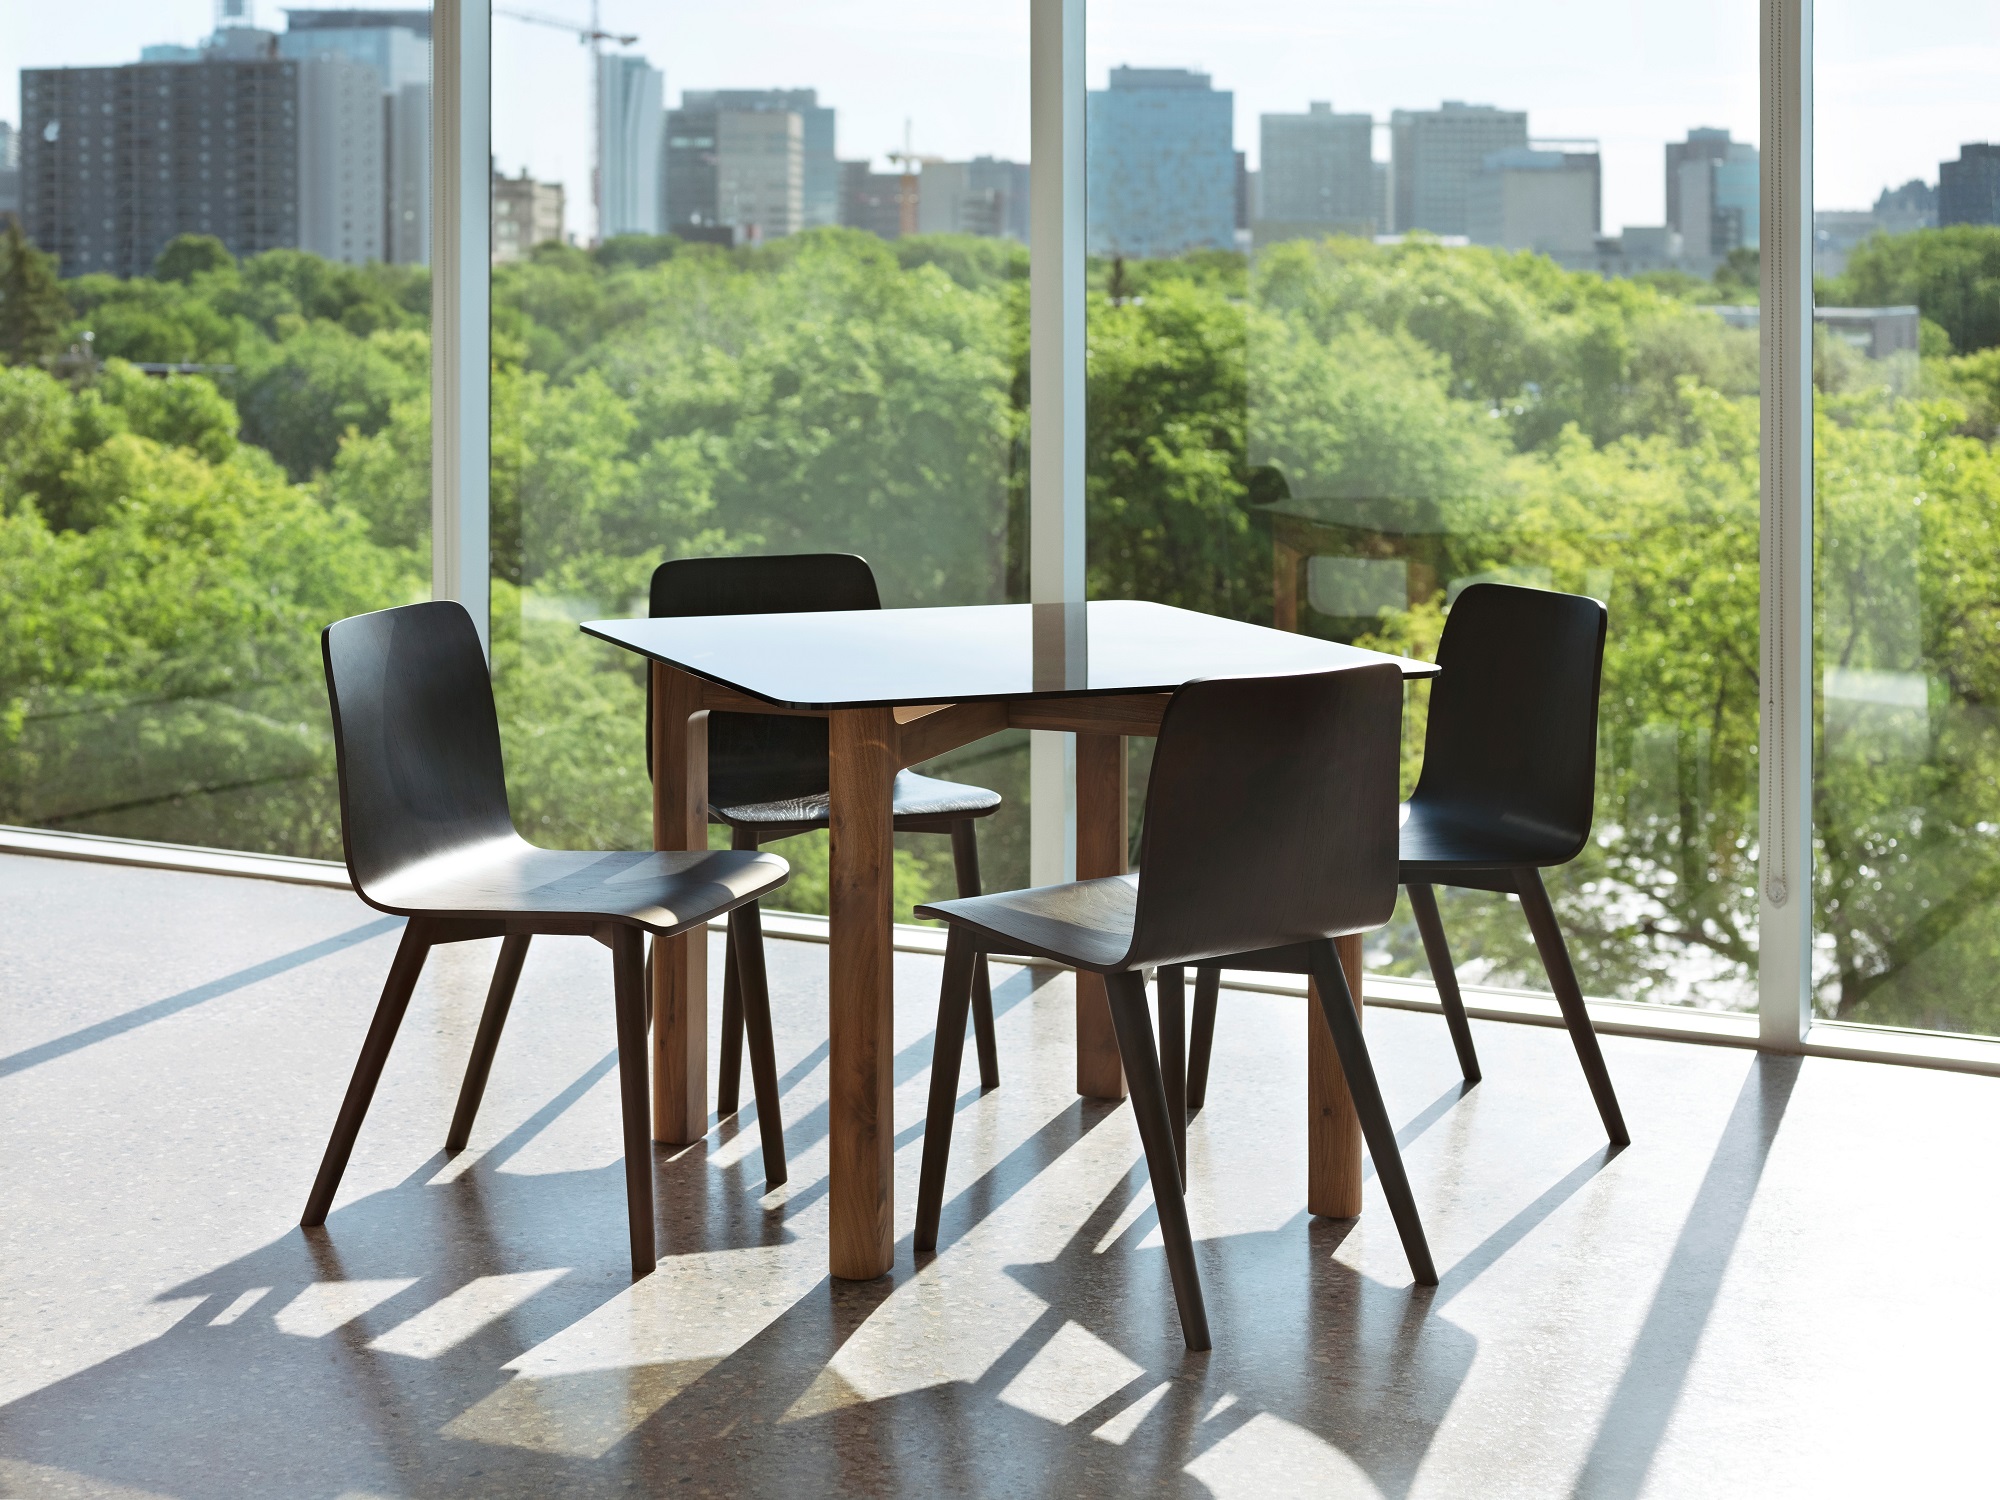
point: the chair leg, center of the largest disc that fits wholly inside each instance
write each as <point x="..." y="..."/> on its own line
<point x="1430" y="926"/>
<point x="729" y="1074"/>
<point x="1171" y="984"/>
<point x="499" y="996"/>
<point x="1337" y="1004"/>
<point x="1569" y="995"/>
<point x="408" y="964"/>
<point x="1207" y="982"/>
<point x="965" y="863"/>
<point x="746" y="939"/>
<point x="947" y="1051"/>
<point x="1149" y="1106"/>
<point x="634" y="1097"/>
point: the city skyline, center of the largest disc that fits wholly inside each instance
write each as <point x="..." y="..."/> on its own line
<point x="962" y="79"/>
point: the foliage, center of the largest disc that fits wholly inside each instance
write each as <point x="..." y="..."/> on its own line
<point x="1952" y="275"/>
<point x="32" y="306"/>
<point x="169" y="546"/>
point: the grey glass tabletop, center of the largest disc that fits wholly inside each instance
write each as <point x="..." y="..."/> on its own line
<point x="886" y="657"/>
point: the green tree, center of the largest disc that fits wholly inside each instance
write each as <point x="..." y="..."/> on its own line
<point x="187" y="256"/>
<point x="33" y="309"/>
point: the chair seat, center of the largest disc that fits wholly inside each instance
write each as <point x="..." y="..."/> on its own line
<point x="665" y="893"/>
<point x="914" y="796"/>
<point x="1086" y="924"/>
<point x="1435" y="840"/>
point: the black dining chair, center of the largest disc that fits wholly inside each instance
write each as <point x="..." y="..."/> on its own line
<point x="428" y="836"/>
<point x="767" y="773"/>
<point x="1270" y="823"/>
<point x="1507" y="791"/>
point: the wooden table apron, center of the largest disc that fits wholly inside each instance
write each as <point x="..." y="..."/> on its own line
<point x="867" y="746"/>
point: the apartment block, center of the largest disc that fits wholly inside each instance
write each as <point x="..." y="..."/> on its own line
<point x="1437" y="154"/>
<point x="258" y="150"/>
<point x="1548" y="199"/>
<point x="526" y="213"/>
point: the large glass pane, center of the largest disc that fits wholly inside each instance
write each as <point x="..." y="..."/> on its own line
<point x="770" y="300"/>
<point x="1390" y="300"/>
<point x="1906" y="363"/>
<point x="214" y="406"/>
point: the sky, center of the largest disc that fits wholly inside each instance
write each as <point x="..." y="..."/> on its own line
<point x="1897" y="87"/>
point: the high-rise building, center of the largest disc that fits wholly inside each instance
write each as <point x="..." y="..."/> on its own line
<point x="984" y="196"/>
<point x="1318" y="168"/>
<point x="396" y="46"/>
<point x="630" y="134"/>
<point x="1161" y="175"/>
<point x="1547" y="198"/>
<point x="759" y="173"/>
<point x="526" y="213"/>
<point x="1713" y="196"/>
<point x="740" y="170"/>
<point x="1436" y="154"/>
<point x="259" y="150"/>
<point x="1969" y="188"/>
<point x="10" y="170"/>
<point x="820" y="196"/>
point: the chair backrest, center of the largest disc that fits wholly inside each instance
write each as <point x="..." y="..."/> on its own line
<point x="1512" y="736"/>
<point x="415" y="737"/>
<point x="762" y="757"/>
<point x="1270" y="814"/>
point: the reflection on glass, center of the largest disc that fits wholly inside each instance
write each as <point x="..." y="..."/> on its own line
<point x="214" y="410"/>
<point x="1424" y="354"/>
<point x="1906" y="367"/>
<point x="776" y="303"/>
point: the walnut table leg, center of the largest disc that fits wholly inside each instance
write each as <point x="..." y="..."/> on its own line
<point x="680" y="965"/>
<point x="1333" y="1139"/>
<point x="1100" y="851"/>
<point x="862" y="748"/>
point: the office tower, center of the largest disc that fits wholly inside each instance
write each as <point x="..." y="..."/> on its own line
<point x="759" y="173"/>
<point x="1243" y="176"/>
<point x="688" y="176"/>
<point x="526" y="213"/>
<point x="984" y="196"/>
<point x="1436" y="154"/>
<point x="740" y="170"/>
<point x="1318" y="168"/>
<point x="629" y="135"/>
<point x="258" y="150"/>
<point x="10" y="170"/>
<point x="1161" y="164"/>
<point x="821" y="191"/>
<point x="873" y="201"/>
<point x="1968" y="189"/>
<point x="396" y="46"/>
<point x="1546" y="198"/>
<point x="1713" y="193"/>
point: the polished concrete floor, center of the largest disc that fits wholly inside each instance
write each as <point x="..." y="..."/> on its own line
<point x="1785" y="1286"/>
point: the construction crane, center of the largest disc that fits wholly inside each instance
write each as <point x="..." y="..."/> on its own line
<point x="907" y="189"/>
<point x="593" y="36"/>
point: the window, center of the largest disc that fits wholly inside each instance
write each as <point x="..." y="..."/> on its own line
<point x="1906" y="365"/>
<point x="793" y="318"/>
<point x="1388" y="302"/>
<point x="215" y="436"/>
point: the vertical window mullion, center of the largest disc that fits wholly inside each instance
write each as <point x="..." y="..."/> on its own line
<point x="1785" y="876"/>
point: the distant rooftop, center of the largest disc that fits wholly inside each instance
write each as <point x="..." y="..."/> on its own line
<point x="418" y="21"/>
<point x="1158" y="78"/>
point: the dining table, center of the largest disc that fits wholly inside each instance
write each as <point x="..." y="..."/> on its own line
<point x="898" y="687"/>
